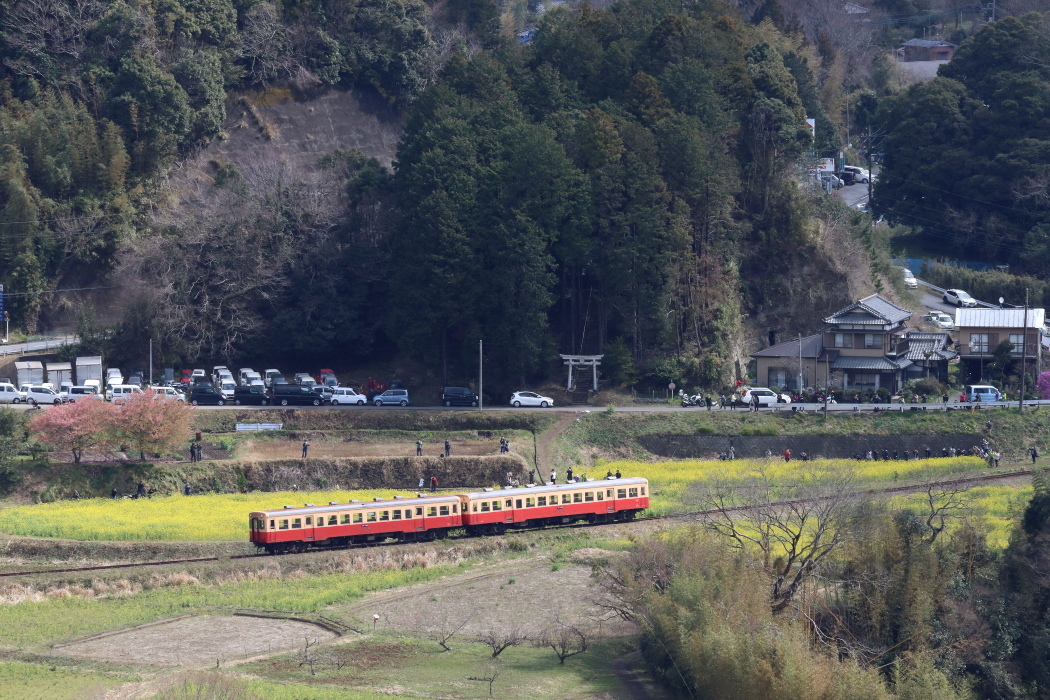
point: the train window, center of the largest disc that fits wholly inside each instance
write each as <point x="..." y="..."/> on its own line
<point x="633" y="493"/>
<point x="297" y="523"/>
<point x="566" y="498"/>
<point x="530" y="502"/>
<point x="485" y="507"/>
<point x="444" y="510"/>
<point x="346" y="518"/>
<point x="284" y="524"/>
<point x="397" y="515"/>
<point x="541" y="501"/>
<point x="506" y="504"/>
<point x="419" y="512"/>
<point x="496" y="505"/>
<point x="333" y="520"/>
<point x="601" y="496"/>
<point x="474" y="507"/>
<point x="371" y="517"/>
<point x="309" y="521"/>
<point x="432" y="512"/>
<point x="621" y="493"/>
<point x="577" y="497"/>
<point x="643" y="490"/>
<point x="357" y="517"/>
<point x="455" y="507"/>
<point x="589" y="496"/>
<point x="384" y="515"/>
<point x="518" y="503"/>
<point x="608" y="493"/>
<point x="271" y="525"/>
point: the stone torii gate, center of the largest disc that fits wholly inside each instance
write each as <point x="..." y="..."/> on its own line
<point x="574" y="361"/>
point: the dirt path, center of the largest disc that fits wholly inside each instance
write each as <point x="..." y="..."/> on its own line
<point x="637" y="689"/>
<point x="546" y="440"/>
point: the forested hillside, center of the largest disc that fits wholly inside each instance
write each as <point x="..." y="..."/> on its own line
<point x="967" y="154"/>
<point x="628" y="182"/>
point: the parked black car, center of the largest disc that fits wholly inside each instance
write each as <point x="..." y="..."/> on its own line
<point x="285" y="394"/>
<point x="206" y="396"/>
<point x="250" y="396"/>
<point x="458" y="396"/>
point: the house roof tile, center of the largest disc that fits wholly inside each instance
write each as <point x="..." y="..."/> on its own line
<point x="871" y="310"/>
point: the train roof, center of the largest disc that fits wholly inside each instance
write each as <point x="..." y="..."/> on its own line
<point x="339" y="507"/>
<point x="545" y="488"/>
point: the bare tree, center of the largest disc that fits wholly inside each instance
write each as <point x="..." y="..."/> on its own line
<point x="308" y="656"/>
<point x="493" y="669"/>
<point x="565" y="639"/>
<point x="445" y="628"/>
<point x="48" y="37"/>
<point x="793" y="524"/>
<point x="500" y="640"/>
<point x="943" y="502"/>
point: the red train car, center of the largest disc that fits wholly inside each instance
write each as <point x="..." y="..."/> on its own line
<point x="608" y="500"/>
<point x="295" y="529"/>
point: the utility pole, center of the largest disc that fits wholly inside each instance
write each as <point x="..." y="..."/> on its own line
<point x="800" y="365"/>
<point x="870" y="146"/>
<point x="150" y="381"/>
<point x="1024" y="350"/>
<point x="481" y="383"/>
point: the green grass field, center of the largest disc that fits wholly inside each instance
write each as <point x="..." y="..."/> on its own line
<point x="27" y="681"/>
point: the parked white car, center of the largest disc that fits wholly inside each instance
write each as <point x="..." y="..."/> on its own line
<point x="167" y="393"/>
<point x="345" y="396"/>
<point x="9" y="394"/>
<point x="269" y="375"/>
<point x="114" y="377"/>
<point x="941" y="320"/>
<point x="122" y="392"/>
<point x="859" y="174"/>
<point x="909" y="279"/>
<point x="530" y="398"/>
<point x="766" y="397"/>
<point x="227" y="387"/>
<point x="73" y="393"/>
<point x="41" y="394"/>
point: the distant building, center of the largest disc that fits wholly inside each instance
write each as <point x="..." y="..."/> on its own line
<point x="866" y="345"/>
<point x="926" y="50"/>
<point x="981" y="330"/>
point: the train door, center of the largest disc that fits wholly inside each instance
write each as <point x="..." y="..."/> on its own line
<point x="309" y="532"/>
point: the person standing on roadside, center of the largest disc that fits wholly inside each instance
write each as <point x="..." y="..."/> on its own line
<point x="306" y="447"/>
<point x="419" y="448"/>
<point x="708" y="401"/>
<point x="554" y="477"/>
<point x="433" y="484"/>
<point x="1034" y="452"/>
<point x="787" y="455"/>
<point x="448" y="448"/>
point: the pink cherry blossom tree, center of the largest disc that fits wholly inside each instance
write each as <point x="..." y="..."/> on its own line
<point x="152" y="422"/>
<point x="75" y="427"/>
<point x="1043" y="385"/>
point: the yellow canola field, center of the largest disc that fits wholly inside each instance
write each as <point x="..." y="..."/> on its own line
<point x="214" y="517"/>
<point x="670" y="482"/>
<point x="224" y="517"/>
<point x="993" y="509"/>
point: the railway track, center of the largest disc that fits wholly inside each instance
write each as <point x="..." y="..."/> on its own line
<point x="677" y="516"/>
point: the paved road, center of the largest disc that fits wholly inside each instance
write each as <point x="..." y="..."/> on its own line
<point x="854" y="195"/>
<point x="953" y="404"/>
<point x="32" y="346"/>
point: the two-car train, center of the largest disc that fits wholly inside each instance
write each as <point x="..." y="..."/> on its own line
<point x="487" y="512"/>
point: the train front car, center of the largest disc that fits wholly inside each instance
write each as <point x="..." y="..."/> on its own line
<point x="492" y="512"/>
<point x="295" y="529"/>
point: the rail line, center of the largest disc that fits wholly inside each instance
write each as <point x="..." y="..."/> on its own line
<point x="675" y="516"/>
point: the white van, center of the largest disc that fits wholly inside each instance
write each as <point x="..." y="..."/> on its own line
<point x="120" y="393"/>
<point x="79" y="392"/>
<point x="9" y="394"/>
<point x="227" y="387"/>
<point x="980" y="392"/>
<point x="114" y="377"/>
<point x="39" y="394"/>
